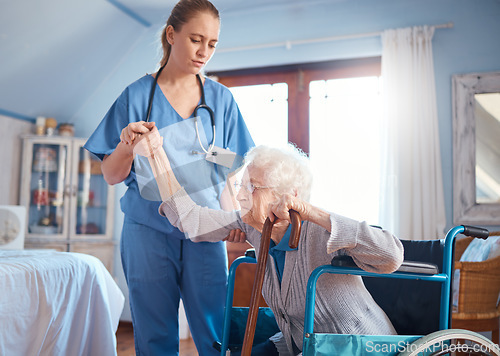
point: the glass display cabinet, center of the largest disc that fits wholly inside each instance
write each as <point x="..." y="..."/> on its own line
<point x="69" y="206"/>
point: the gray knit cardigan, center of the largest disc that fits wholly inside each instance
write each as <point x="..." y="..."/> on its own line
<point x="343" y="305"/>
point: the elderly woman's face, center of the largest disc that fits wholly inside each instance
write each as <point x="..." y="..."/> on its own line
<point x="254" y="204"/>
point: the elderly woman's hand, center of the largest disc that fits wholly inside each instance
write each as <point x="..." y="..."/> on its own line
<point x="306" y="211"/>
<point x="281" y="207"/>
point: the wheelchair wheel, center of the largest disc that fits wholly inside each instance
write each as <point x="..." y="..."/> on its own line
<point x="452" y="342"/>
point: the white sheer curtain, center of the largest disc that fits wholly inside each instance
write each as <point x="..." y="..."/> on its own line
<point x="412" y="202"/>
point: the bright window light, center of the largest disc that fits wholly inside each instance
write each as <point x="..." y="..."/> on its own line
<point x="345" y="146"/>
<point x="344" y="141"/>
<point x="265" y="111"/>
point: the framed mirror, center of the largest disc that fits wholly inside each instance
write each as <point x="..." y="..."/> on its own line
<point x="476" y="148"/>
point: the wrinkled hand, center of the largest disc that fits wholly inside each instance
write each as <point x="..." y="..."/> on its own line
<point x="279" y="209"/>
<point x="133" y="130"/>
<point x="236" y="236"/>
<point x="148" y="143"/>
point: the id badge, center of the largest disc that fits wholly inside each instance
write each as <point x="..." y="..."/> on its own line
<point x="221" y="156"/>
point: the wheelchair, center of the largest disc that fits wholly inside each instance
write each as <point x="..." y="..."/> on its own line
<point x="416" y="298"/>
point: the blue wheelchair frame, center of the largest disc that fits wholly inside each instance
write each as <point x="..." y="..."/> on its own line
<point x="357" y="344"/>
<point x="229" y="300"/>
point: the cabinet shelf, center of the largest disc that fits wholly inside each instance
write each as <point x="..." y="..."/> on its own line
<point x="67" y="199"/>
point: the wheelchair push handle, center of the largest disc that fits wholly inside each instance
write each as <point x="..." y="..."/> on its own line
<point x="474" y="231"/>
<point x="296" y="225"/>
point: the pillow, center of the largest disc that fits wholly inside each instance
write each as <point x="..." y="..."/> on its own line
<point x="495" y="247"/>
<point x="477" y="251"/>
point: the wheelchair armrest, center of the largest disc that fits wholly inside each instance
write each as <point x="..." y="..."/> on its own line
<point x="250" y="253"/>
<point x="343" y="261"/>
<point x="217" y="345"/>
<point x="406" y="266"/>
<point x="418" y="267"/>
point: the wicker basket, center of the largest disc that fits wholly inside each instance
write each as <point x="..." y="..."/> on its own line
<point x="479" y="285"/>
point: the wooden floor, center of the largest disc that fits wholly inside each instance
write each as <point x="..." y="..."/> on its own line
<point x="125" y="342"/>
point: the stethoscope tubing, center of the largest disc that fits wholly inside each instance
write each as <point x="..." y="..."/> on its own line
<point x="203" y="105"/>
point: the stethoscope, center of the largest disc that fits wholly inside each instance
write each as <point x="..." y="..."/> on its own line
<point x="203" y="105"/>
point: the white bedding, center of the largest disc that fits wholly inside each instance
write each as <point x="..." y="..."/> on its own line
<point x="57" y="303"/>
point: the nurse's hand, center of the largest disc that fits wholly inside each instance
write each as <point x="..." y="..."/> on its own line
<point x="147" y="144"/>
<point x="135" y="129"/>
<point x="236" y="236"/>
<point x="116" y="166"/>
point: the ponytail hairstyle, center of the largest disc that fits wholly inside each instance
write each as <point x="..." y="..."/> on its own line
<point x="182" y="12"/>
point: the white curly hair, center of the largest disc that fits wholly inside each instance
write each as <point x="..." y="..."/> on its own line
<point x="286" y="169"/>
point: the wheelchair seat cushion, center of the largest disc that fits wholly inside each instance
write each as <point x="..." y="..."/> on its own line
<point x="265" y="328"/>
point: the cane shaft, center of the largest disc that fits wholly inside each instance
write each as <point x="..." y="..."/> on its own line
<point x="259" y="276"/>
<point x="257" y="288"/>
<point x="295" y="233"/>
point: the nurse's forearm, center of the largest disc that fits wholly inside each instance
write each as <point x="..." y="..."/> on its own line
<point x="116" y="167"/>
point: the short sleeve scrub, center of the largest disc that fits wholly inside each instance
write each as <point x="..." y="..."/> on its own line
<point x="160" y="265"/>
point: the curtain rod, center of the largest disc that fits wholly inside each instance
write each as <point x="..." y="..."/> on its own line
<point x="289" y="44"/>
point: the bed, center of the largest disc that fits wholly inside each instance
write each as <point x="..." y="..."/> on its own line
<point x="57" y="303"/>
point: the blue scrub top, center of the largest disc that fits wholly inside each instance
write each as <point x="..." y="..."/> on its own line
<point x="203" y="180"/>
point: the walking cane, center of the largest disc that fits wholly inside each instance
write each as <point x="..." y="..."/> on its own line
<point x="259" y="276"/>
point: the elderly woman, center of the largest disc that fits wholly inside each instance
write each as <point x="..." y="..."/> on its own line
<point x="275" y="181"/>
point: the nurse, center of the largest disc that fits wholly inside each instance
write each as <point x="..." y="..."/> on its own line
<point x="160" y="265"/>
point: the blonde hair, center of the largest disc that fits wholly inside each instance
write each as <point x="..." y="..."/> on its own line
<point x="286" y="169"/>
<point x="182" y="12"/>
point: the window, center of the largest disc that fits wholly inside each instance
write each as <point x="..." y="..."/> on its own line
<point x="344" y="146"/>
<point x="331" y="111"/>
<point x="264" y="108"/>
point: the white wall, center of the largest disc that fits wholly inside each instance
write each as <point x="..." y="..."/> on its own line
<point x="11" y="151"/>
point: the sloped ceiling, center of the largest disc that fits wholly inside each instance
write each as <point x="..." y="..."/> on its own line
<point x="71" y="59"/>
<point x="56" y="53"/>
<point x="157" y="11"/>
